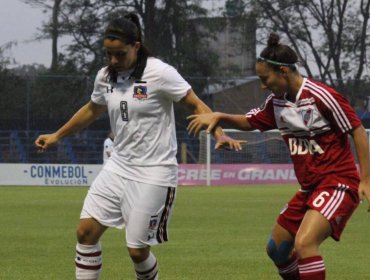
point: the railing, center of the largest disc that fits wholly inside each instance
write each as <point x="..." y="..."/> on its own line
<point x="18" y="147"/>
<point x="85" y="147"/>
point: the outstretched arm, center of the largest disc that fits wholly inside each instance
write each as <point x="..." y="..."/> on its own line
<point x="362" y="149"/>
<point x="84" y="116"/>
<point x="198" y="107"/>
<point x="210" y="120"/>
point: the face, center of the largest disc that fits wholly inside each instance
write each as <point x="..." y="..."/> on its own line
<point x="272" y="80"/>
<point x="120" y="55"/>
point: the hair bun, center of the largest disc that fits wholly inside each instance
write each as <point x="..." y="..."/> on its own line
<point x="273" y="40"/>
<point x="134" y="18"/>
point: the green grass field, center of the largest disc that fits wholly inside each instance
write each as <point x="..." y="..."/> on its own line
<point x="216" y="233"/>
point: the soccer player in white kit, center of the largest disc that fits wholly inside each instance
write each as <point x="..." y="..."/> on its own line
<point x="314" y="121"/>
<point x="136" y="187"/>
<point x="108" y="147"/>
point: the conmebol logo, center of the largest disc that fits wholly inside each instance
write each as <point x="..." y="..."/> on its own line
<point x="57" y="171"/>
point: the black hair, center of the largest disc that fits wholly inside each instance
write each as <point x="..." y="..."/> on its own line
<point x="277" y="54"/>
<point x="128" y="30"/>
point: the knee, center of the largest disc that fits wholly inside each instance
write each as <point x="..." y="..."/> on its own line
<point x="89" y="231"/>
<point x="302" y="245"/>
<point x="85" y="235"/>
<point x="279" y="254"/>
<point x="139" y="255"/>
<point x="82" y="234"/>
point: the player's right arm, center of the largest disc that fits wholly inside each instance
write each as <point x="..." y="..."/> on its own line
<point x="262" y="118"/>
<point x="211" y="120"/>
<point x="84" y="116"/>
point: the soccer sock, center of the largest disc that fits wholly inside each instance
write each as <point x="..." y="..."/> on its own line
<point x="289" y="270"/>
<point x="88" y="261"/>
<point x="148" y="269"/>
<point x="312" y="268"/>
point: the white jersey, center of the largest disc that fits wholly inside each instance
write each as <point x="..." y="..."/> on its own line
<point x="107" y="149"/>
<point x="142" y="120"/>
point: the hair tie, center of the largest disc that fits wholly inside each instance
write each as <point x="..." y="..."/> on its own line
<point x="275" y="62"/>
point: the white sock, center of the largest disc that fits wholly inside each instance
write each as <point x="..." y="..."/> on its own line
<point x="88" y="261"/>
<point x="148" y="269"/>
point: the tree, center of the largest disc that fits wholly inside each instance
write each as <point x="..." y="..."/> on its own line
<point x="234" y="8"/>
<point x="330" y="33"/>
<point x="52" y="29"/>
<point x="4" y="59"/>
<point x="170" y="31"/>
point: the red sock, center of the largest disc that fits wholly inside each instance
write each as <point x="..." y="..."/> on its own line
<point x="312" y="268"/>
<point x="289" y="270"/>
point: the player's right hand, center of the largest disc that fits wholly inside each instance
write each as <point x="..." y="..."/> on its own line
<point x="45" y="141"/>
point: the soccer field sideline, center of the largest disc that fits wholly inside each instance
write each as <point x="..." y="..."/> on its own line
<point x="215" y="233"/>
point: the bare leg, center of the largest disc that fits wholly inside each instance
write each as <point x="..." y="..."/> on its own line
<point x="280" y="250"/>
<point x="145" y="263"/>
<point x="88" y="251"/>
<point x="313" y="231"/>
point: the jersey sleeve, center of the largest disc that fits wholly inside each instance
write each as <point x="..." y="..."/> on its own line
<point x="263" y="118"/>
<point x="173" y="84"/>
<point x="337" y="110"/>
<point x="100" y="88"/>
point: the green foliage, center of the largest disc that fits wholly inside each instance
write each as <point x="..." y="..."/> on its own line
<point x="235" y="8"/>
<point x="328" y="35"/>
<point x="32" y="97"/>
<point x="4" y="59"/>
<point x="13" y="98"/>
<point x="60" y="97"/>
<point x="179" y="41"/>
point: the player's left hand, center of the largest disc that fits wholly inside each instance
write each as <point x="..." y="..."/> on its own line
<point x="226" y="142"/>
<point x="200" y="121"/>
<point x="364" y="192"/>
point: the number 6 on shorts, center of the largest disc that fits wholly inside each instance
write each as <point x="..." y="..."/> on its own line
<point x="320" y="199"/>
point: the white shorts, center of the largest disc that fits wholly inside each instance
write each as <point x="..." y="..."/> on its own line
<point x="143" y="209"/>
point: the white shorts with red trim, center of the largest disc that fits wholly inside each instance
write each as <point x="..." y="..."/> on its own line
<point x="143" y="209"/>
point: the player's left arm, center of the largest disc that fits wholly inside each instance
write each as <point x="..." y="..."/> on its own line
<point x="345" y="119"/>
<point x="197" y="106"/>
<point x="362" y="149"/>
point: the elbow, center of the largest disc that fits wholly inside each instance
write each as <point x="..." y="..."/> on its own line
<point x="359" y="131"/>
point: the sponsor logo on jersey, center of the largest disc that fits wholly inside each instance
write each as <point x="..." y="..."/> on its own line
<point x="307" y="116"/>
<point x="140" y="92"/>
<point x="298" y="146"/>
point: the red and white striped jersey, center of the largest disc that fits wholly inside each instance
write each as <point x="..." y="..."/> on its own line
<point x="315" y="128"/>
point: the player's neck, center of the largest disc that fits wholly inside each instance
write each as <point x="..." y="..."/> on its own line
<point x="294" y="85"/>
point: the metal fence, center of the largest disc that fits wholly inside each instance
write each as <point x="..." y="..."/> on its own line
<point x="30" y="106"/>
<point x="85" y="147"/>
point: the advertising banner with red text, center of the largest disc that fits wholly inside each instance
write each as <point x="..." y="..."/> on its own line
<point x="237" y="174"/>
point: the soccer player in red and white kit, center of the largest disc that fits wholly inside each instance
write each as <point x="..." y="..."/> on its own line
<point x="314" y="121"/>
<point x="137" y="185"/>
